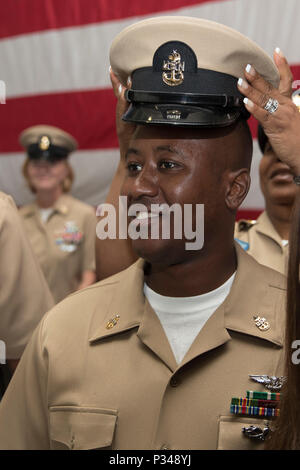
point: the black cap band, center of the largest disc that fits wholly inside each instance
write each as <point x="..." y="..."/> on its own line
<point x="52" y="154"/>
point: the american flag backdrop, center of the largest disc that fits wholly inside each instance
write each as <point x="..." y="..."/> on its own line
<point x="55" y="70"/>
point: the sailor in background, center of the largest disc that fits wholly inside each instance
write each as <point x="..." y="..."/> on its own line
<point x="61" y="228"/>
<point x="24" y="294"/>
<point x="267" y="238"/>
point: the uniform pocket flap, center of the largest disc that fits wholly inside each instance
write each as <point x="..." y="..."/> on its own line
<point x="231" y="436"/>
<point x="81" y="428"/>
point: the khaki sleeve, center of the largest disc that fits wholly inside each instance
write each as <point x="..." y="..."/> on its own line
<point x="23" y="409"/>
<point x="24" y="294"/>
<point x="88" y="261"/>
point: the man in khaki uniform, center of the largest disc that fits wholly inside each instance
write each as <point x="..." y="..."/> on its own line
<point x="91" y="385"/>
<point x="24" y="294"/>
<point x="134" y="372"/>
<point x="60" y="228"/>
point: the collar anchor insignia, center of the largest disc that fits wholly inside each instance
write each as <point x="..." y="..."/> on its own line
<point x="261" y="323"/>
<point x="112" y="322"/>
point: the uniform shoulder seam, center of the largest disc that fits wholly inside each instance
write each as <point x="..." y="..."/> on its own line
<point x="98" y="285"/>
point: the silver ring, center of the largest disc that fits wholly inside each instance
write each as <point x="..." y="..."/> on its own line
<point x="271" y="105"/>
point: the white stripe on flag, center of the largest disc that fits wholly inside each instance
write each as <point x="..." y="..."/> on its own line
<point x="77" y="58"/>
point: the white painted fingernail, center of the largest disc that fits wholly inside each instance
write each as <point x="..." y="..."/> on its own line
<point x="128" y="81"/>
<point x="248" y="102"/>
<point x="242" y="83"/>
<point x="109" y="69"/>
<point x="250" y="69"/>
<point x="279" y="51"/>
<point x="120" y="89"/>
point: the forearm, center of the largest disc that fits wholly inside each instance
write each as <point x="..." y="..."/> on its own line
<point x="114" y="255"/>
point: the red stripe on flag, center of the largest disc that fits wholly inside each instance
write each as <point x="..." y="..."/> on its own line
<point x="248" y="214"/>
<point x="88" y="115"/>
<point x="20" y="17"/>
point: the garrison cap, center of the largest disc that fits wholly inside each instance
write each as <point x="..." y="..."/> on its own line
<point x="184" y="71"/>
<point x="47" y="143"/>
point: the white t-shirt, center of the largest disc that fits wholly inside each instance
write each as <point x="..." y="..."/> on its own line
<point x="46" y="213"/>
<point x="182" y="318"/>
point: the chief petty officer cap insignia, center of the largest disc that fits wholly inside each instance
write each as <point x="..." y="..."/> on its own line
<point x="184" y="71"/>
<point x="47" y="143"/>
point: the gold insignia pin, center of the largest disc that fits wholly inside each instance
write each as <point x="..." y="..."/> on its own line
<point x="44" y="142"/>
<point x="261" y="323"/>
<point x="63" y="209"/>
<point x="173" y="70"/>
<point x="112" y="322"/>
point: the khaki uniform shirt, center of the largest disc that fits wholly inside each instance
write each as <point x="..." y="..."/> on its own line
<point x="260" y="239"/>
<point x="24" y="294"/>
<point x="65" y="244"/>
<point x="100" y="373"/>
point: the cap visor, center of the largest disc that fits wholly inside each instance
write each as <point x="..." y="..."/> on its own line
<point x="180" y="115"/>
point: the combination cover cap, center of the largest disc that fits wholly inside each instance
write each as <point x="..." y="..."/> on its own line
<point x="47" y="143"/>
<point x="184" y="71"/>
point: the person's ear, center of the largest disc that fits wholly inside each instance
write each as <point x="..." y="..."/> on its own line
<point x="238" y="183"/>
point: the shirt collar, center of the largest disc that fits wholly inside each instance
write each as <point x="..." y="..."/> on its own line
<point x="251" y="295"/>
<point x="61" y="206"/>
<point x="126" y="301"/>
<point x="265" y="226"/>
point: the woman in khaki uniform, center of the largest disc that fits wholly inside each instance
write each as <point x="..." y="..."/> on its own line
<point x="61" y="228"/>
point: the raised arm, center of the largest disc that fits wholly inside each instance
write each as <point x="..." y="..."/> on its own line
<point x="115" y="255"/>
<point x="281" y="125"/>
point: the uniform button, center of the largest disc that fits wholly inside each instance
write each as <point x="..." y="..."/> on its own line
<point x="174" y="382"/>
